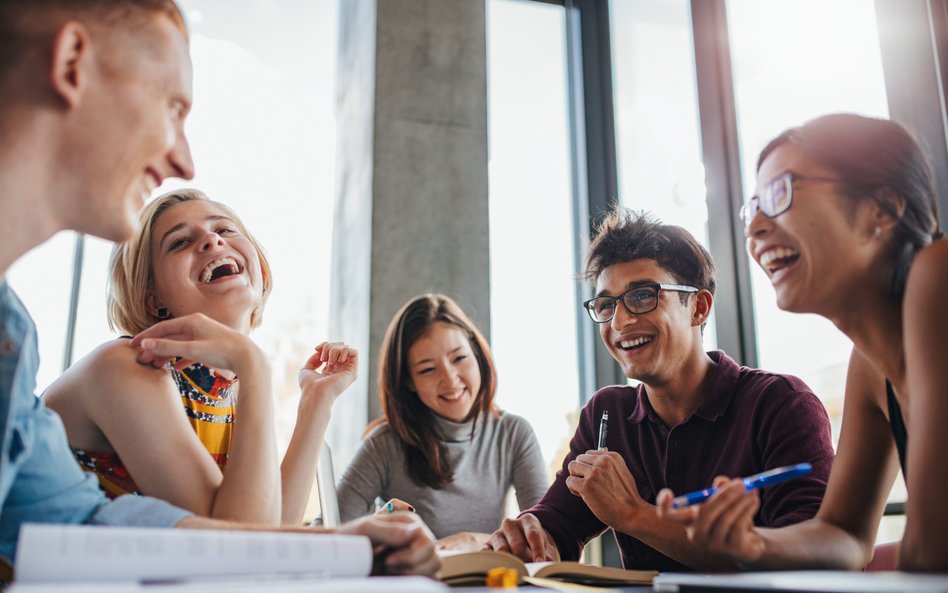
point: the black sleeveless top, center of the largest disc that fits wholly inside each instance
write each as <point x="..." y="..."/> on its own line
<point x="898" y="425"/>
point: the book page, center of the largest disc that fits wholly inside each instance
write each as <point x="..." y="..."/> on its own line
<point x="81" y="553"/>
<point x="586" y="573"/>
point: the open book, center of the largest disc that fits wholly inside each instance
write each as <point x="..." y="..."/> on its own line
<point x="80" y="553"/>
<point x="470" y="568"/>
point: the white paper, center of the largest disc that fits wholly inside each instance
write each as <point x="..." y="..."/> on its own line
<point x="824" y="581"/>
<point x="363" y="585"/>
<point x="81" y="553"/>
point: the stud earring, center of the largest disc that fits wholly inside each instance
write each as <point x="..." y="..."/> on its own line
<point x="163" y="313"/>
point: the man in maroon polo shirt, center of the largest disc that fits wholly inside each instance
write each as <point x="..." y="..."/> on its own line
<point x="694" y="416"/>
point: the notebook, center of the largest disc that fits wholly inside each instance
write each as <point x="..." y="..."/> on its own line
<point x="827" y="581"/>
<point x="51" y="554"/>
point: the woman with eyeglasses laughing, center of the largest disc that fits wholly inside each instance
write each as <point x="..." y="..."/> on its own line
<point x="845" y="224"/>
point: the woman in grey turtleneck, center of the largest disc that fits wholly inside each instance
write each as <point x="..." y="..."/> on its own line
<point x="441" y="445"/>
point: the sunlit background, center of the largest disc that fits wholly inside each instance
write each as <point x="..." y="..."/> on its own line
<point x="263" y="137"/>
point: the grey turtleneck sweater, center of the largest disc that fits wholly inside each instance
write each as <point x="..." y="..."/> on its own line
<point x="503" y="452"/>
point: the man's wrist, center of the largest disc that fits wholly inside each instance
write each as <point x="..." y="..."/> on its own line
<point x="635" y="518"/>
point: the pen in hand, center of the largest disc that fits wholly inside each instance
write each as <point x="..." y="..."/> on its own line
<point x="603" y="429"/>
<point x="761" y="480"/>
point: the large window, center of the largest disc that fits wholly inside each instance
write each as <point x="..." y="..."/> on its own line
<point x="533" y="283"/>
<point x="658" y="136"/>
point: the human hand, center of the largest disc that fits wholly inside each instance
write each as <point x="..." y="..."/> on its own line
<point x="463" y="541"/>
<point x="603" y="480"/>
<point x="330" y="370"/>
<point x="525" y="538"/>
<point x="723" y="524"/>
<point x="401" y="543"/>
<point x="196" y="338"/>
<point x="394" y="504"/>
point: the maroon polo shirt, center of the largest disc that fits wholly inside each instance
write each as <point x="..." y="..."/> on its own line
<point x="750" y="421"/>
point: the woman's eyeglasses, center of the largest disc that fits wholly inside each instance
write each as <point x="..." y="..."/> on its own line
<point x="777" y="196"/>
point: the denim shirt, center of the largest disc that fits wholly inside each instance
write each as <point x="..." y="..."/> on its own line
<point x="40" y="481"/>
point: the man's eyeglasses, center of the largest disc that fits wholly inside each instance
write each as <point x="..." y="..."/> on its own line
<point x="777" y="196"/>
<point x="637" y="300"/>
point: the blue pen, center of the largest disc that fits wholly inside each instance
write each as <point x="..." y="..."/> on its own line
<point x="761" y="480"/>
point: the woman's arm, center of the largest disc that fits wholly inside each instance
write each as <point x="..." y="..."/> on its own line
<point x="249" y="489"/>
<point x="318" y="390"/>
<point x="843" y="532"/>
<point x="528" y="472"/>
<point x="925" y="329"/>
<point x="366" y="478"/>
<point x="137" y="409"/>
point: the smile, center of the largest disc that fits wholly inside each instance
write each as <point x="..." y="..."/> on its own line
<point x="219" y="268"/>
<point x="635" y="343"/>
<point x="454" y="396"/>
<point x="773" y="260"/>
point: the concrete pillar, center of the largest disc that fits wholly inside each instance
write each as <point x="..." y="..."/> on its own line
<point x="411" y="197"/>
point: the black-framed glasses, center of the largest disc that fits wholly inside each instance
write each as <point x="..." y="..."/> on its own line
<point x="637" y="300"/>
<point x="777" y="196"/>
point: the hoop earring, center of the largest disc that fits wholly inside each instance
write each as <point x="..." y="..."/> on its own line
<point x="163" y="313"/>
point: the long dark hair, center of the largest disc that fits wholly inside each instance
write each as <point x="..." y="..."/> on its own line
<point x="402" y="409"/>
<point x="873" y="156"/>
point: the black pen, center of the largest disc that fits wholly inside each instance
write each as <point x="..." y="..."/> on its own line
<point x="603" y="429"/>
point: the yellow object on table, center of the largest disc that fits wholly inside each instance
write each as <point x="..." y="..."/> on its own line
<point x="502" y="578"/>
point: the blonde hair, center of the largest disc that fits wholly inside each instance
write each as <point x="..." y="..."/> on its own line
<point x="132" y="279"/>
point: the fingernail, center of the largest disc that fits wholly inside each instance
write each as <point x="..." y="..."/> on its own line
<point x="411" y="508"/>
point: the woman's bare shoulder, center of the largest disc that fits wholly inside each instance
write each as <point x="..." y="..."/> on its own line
<point x="109" y="369"/>
<point x="930" y="266"/>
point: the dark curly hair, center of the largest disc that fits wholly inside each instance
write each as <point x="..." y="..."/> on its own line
<point x="625" y="235"/>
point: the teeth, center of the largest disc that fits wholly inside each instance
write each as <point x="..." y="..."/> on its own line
<point x="210" y="267"/>
<point x="636" y="342"/>
<point x="774" y="254"/>
<point x="454" y="396"/>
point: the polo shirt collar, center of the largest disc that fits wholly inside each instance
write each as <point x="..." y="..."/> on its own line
<point x="724" y="378"/>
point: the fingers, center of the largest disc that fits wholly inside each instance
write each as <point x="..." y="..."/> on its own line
<point x="735" y="521"/>
<point x="577" y="468"/>
<point x="182" y="328"/>
<point x="510" y="538"/>
<point x="419" y="556"/>
<point x="394" y="505"/>
<point x="403" y="544"/>
<point x="332" y="355"/>
<point x="716" y="512"/>
<point x="536" y="539"/>
<point x="594" y="456"/>
<point x="400" y="505"/>
<point x="497" y="541"/>
<point x="523" y="537"/>
<point x="663" y="503"/>
<point x="587" y="463"/>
